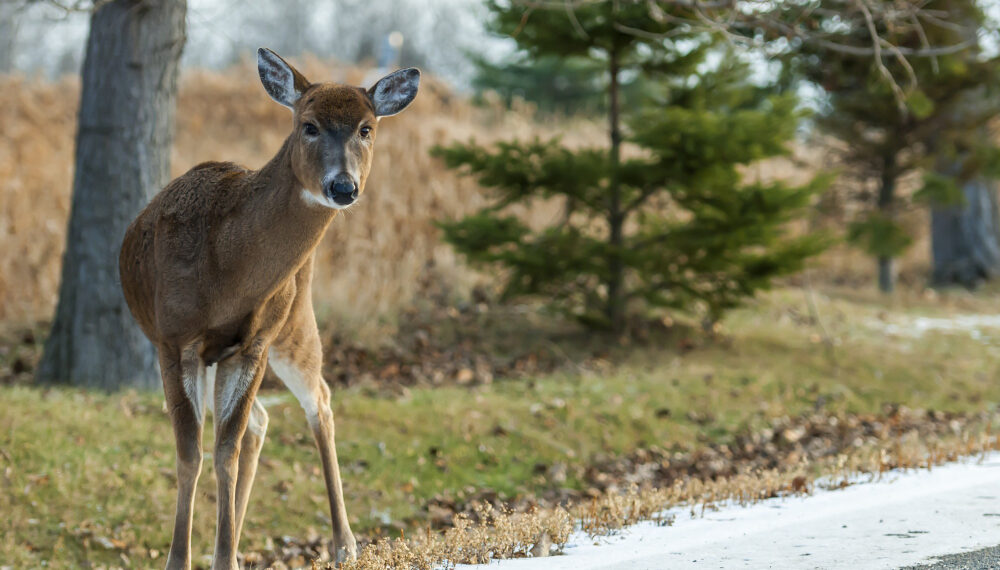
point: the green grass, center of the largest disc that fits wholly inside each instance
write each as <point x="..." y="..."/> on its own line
<point x="80" y="469"/>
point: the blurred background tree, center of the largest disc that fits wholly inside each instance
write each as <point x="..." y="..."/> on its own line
<point x="8" y="34"/>
<point x="126" y="128"/>
<point x="896" y="116"/>
<point x="965" y="230"/>
<point x="670" y="223"/>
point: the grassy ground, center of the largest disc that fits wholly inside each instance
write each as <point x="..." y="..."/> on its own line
<point x="89" y="477"/>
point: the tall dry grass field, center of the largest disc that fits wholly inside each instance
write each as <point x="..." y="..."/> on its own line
<point x="37" y="122"/>
<point x="378" y="257"/>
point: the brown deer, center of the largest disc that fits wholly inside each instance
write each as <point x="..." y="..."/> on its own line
<point x="217" y="270"/>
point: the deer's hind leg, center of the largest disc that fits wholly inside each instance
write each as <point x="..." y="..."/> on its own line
<point x="296" y="357"/>
<point x="183" y="385"/>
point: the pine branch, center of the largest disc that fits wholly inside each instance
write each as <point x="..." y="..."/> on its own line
<point x="644" y="195"/>
<point x="651" y="240"/>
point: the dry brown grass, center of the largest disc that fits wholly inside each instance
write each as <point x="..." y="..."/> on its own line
<point x="376" y="259"/>
<point x="37" y="122"/>
<point x="494" y="535"/>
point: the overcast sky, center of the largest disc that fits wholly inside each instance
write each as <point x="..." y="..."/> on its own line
<point x="437" y="34"/>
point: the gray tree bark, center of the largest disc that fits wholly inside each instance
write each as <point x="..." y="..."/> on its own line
<point x="965" y="239"/>
<point x="8" y="35"/>
<point x="125" y="130"/>
<point x="886" y="205"/>
<point x="616" y="218"/>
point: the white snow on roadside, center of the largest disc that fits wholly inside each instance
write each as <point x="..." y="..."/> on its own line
<point x="905" y="518"/>
<point x="976" y="326"/>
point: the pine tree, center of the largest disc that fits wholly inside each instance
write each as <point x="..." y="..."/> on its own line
<point x="945" y="99"/>
<point x="671" y="224"/>
<point x="556" y="85"/>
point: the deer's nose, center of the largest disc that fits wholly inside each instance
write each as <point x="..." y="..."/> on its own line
<point x="343" y="190"/>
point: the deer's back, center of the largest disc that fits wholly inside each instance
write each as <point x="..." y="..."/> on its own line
<point x="168" y="249"/>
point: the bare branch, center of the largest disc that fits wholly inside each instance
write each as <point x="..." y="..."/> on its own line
<point x="67" y="6"/>
<point x="924" y="41"/>
<point x="877" y="56"/>
<point x="742" y="22"/>
<point x="572" y="18"/>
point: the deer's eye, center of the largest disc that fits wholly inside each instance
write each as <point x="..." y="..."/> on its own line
<point x="310" y="129"/>
<point x="365" y="132"/>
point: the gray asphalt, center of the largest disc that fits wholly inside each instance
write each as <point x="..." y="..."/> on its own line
<point x="984" y="559"/>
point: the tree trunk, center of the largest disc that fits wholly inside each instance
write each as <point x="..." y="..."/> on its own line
<point x="965" y="239"/>
<point x="124" y="133"/>
<point x="886" y="274"/>
<point x="886" y="197"/>
<point x="8" y="35"/>
<point x="616" y="218"/>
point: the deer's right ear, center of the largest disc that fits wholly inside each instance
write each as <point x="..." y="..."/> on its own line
<point x="281" y="81"/>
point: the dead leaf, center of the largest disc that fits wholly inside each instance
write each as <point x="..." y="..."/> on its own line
<point x="465" y="375"/>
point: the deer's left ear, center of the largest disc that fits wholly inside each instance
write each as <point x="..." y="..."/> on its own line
<point x="395" y="91"/>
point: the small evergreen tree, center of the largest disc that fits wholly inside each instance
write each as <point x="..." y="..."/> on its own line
<point x="670" y="225"/>
<point x="556" y="85"/>
<point x="947" y="99"/>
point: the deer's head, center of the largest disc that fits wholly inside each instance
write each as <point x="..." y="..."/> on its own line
<point x="334" y="126"/>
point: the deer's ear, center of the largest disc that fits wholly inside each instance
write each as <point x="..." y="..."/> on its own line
<point x="395" y="91"/>
<point x="281" y="81"/>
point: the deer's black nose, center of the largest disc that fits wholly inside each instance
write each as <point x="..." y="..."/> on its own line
<point x="343" y="189"/>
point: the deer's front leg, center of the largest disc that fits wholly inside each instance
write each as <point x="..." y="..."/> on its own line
<point x="236" y="386"/>
<point x="250" y="446"/>
<point x="299" y="368"/>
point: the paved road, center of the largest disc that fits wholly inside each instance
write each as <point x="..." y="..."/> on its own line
<point x="983" y="559"/>
<point x="906" y="520"/>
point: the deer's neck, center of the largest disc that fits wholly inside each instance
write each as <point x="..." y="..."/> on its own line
<point x="284" y="228"/>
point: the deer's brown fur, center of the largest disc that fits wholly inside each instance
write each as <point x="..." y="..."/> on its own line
<point x="217" y="270"/>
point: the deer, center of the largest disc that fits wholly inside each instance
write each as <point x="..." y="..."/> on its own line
<point x="217" y="271"/>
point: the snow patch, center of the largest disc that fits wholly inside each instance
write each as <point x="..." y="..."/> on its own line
<point x="976" y="326"/>
<point x="900" y="520"/>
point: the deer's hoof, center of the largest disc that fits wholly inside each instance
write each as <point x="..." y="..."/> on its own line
<point x="345" y="548"/>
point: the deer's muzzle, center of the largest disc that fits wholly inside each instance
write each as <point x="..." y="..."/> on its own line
<point x="343" y="190"/>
